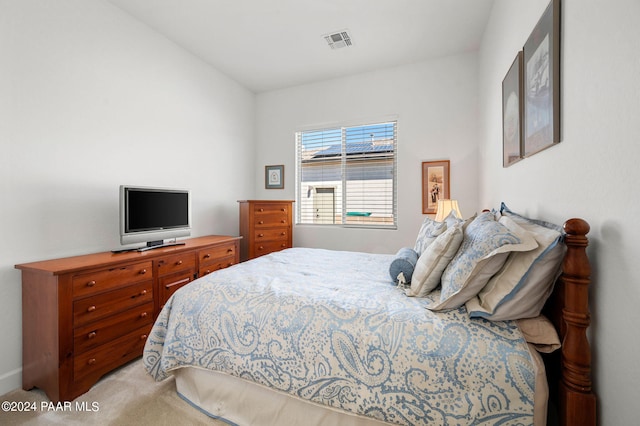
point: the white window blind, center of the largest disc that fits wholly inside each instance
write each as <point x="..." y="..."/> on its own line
<point x="347" y="176"/>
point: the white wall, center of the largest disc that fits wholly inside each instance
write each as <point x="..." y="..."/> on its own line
<point x="435" y="104"/>
<point x="91" y="99"/>
<point x="593" y="173"/>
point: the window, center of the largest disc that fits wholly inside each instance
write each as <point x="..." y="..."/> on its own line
<point x="347" y="176"/>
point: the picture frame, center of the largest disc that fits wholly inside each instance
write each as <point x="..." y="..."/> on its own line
<point x="512" y="110"/>
<point x="435" y="184"/>
<point x="541" y="66"/>
<point x="274" y="177"/>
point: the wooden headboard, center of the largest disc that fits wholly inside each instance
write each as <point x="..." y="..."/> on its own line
<point x="570" y="370"/>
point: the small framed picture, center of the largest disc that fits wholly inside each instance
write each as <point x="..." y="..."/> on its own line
<point x="435" y="184"/>
<point x="274" y="177"/>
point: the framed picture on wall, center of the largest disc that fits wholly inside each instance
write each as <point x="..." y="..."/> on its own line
<point x="542" y="82"/>
<point x="435" y="184"/>
<point x="274" y="177"/>
<point x="512" y="105"/>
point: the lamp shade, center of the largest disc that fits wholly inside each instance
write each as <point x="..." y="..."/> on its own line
<point x="445" y="207"/>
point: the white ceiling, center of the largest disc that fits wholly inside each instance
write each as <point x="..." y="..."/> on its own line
<point x="272" y="44"/>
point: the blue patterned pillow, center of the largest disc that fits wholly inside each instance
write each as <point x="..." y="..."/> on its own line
<point x="483" y="251"/>
<point x="404" y="262"/>
<point x="429" y="231"/>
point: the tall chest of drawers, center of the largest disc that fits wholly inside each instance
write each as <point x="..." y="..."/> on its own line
<point x="265" y="227"/>
<point x="83" y="316"/>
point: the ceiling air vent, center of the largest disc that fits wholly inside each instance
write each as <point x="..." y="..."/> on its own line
<point x="338" y="40"/>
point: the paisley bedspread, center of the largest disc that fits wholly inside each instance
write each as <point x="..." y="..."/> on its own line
<point x="331" y="327"/>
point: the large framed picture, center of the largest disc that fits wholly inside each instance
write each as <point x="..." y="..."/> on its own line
<point x="542" y="82"/>
<point x="435" y="184"/>
<point x="274" y="177"/>
<point x="512" y="106"/>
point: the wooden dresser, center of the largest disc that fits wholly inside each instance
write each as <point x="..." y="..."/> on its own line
<point x="265" y="227"/>
<point x="83" y="316"/>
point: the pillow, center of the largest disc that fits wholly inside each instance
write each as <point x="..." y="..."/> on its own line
<point x="521" y="288"/>
<point x="540" y="332"/>
<point x="403" y="263"/>
<point x="484" y="249"/>
<point x="433" y="260"/>
<point x="429" y="231"/>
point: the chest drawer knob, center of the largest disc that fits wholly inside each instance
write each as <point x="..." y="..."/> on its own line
<point x="91" y="308"/>
<point x="91" y="335"/>
<point x="91" y="283"/>
<point x="143" y="315"/>
<point x="207" y="256"/>
<point x="259" y="235"/>
<point x="230" y="250"/>
<point x="91" y="361"/>
<point x="179" y="262"/>
<point x="143" y="292"/>
<point x="143" y="271"/>
<point x="283" y="221"/>
<point x="261" y="222"/>
<point x="260" y="210"/>
<point x="143" y="337"/>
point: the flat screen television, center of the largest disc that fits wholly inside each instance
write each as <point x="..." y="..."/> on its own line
<point x="153" y="215"/>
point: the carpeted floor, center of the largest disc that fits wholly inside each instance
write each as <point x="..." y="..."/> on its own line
<point x="127" y="396"/>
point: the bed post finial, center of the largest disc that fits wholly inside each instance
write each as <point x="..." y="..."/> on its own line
<point x="577" y="400"/>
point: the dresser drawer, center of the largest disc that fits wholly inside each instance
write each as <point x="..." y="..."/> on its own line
<point x="214" y="254"/>
<point x="107" y="279"/>
<point x="281" y="209"/>
<point x="175" y="263"/>
<point x="105" y="304"/>
<point x="275" y="234"/>
<point x="218" y="264"/>
<point x="93" y="364"/>
<point x="169" y="284"/>
<point x="96" y="334"/>
<point x="269" y="247"/>
<point x="269" y="220"/>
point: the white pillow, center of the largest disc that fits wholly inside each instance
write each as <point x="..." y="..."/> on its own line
<point x="523" y="285"/>
<point x="429" y="231"/>
<point x="483" y="251"/>
<point x="436" y="257"/>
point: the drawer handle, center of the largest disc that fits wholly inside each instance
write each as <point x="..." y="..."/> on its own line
<point x="91" y="308"/>
<point x="143" y="337"/>
<point x="143" y="315"/>
<point x="91" y="335"/>
<point x="283" y="245"/>
<point x="260" y="222"/>
<point x="260" y="210"/>
<point x="283" y="233"/>
<point x="179" y="262"/>
<point x="208" y="271"/>
<point x="230" y="250"/>
<point x="91" y="283"/>
<point x="143" y="271"/>
<point x="260" y="248"/>
<point x="260" y="235"/>
<point x="207" y="256"/>
<point x="143" y="292"/>
<point x="229" y="264"/>
<point x="92" y="361"/>
<point x="283" y="210"/>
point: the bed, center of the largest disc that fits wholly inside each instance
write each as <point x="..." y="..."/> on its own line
<point x="312" y="336"/>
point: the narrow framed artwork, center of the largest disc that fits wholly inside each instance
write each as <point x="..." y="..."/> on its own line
<point x="512" y="106"/>
<point x="542" y="82"/>
<point x="274" y="177"/>
<point x="435" y="184"/>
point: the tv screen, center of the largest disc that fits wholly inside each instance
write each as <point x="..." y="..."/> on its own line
<point x="152" y="215"/>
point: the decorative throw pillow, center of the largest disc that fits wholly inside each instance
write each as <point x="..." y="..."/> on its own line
<point x="403" y="263"/>
<point x="429" y="231"/>
<point x="484" y="249"/>
<point x="521" y="288"/>
<point x="433" y="260"/>
<point x="540" y="332"/>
